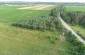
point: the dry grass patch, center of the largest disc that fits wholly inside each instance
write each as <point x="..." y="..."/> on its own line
<point x="38" y="7"/>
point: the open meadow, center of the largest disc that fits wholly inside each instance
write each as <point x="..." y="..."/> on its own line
<point x="21" y="41"/>
<point x="75" y="8"/>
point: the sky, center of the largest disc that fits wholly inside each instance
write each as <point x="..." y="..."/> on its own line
<point x="48" y="0"/>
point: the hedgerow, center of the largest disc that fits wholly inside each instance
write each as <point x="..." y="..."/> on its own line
<point x="44" y="22"/>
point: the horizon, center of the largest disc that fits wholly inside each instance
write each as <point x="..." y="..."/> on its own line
<point x="70" y="1"/>
<point x="42" y="2"/>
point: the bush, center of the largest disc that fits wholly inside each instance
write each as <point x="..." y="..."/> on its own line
<point x="52" y="39"/>
<point x="78" y="48"/>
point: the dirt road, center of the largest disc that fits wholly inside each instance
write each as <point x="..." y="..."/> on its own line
<point x="70" y="29"/>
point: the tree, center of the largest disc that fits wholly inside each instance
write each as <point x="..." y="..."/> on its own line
<point x="54" y="12"/>
<point x="61" y="8"/>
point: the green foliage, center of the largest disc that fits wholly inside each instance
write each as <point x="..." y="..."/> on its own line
<point x="61" y="8"/>
<point x="39" y="23"/>
<point x="52" y="39"/>
<point x="75" y="17"/>
<point x="78" y="48"/>
<point x="54" y="12"/>
<point x="42" y="22"/>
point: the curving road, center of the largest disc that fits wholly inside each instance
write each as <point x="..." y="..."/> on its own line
<point x="70" y="29"/>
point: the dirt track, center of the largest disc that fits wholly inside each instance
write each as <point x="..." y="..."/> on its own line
<point x="71" y="30"/>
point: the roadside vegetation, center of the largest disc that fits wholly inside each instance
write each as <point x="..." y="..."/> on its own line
<point x="77" y="48"/>
<point x="76" y="19"/>
<point x="79" y="29"/>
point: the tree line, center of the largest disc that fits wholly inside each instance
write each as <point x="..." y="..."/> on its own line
<point x="43" y="22"/>
<point x="74" y="17"/>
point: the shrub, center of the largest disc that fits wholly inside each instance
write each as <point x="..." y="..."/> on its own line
<point x="78" y="48"/>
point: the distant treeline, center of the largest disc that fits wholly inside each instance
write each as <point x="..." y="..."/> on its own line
<point x="50" y="3"/>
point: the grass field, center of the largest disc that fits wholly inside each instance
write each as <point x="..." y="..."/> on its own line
<point x="11" y="14"/>
<point x="75" y="8"/>
<point x="20" y="41"/>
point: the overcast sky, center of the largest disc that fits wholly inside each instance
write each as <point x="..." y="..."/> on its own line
<point x="48" y="0"/>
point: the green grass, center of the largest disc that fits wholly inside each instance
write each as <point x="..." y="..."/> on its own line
<point x="10" y="14"/>
<point x="77" y="28"/>
<point x="75" y="8"/>
<point x="20" y="41"/>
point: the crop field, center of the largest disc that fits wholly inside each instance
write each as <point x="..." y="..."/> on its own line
<point x="21" y="41"/>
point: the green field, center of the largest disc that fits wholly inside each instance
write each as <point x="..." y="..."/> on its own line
<point x="75" y="8"/>
<point x="11" y="13"/>
<point x="20" y="41"/>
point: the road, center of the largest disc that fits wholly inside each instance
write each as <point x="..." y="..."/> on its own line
<point x="70" y="29"/>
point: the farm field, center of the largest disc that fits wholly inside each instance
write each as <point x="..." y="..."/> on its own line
<point x="20" y="41"/>
<point x="75" y="8"/>
<point x="11" y="14"/>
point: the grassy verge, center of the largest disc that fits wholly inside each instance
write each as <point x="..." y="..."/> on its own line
<point x="79" y="30"/>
